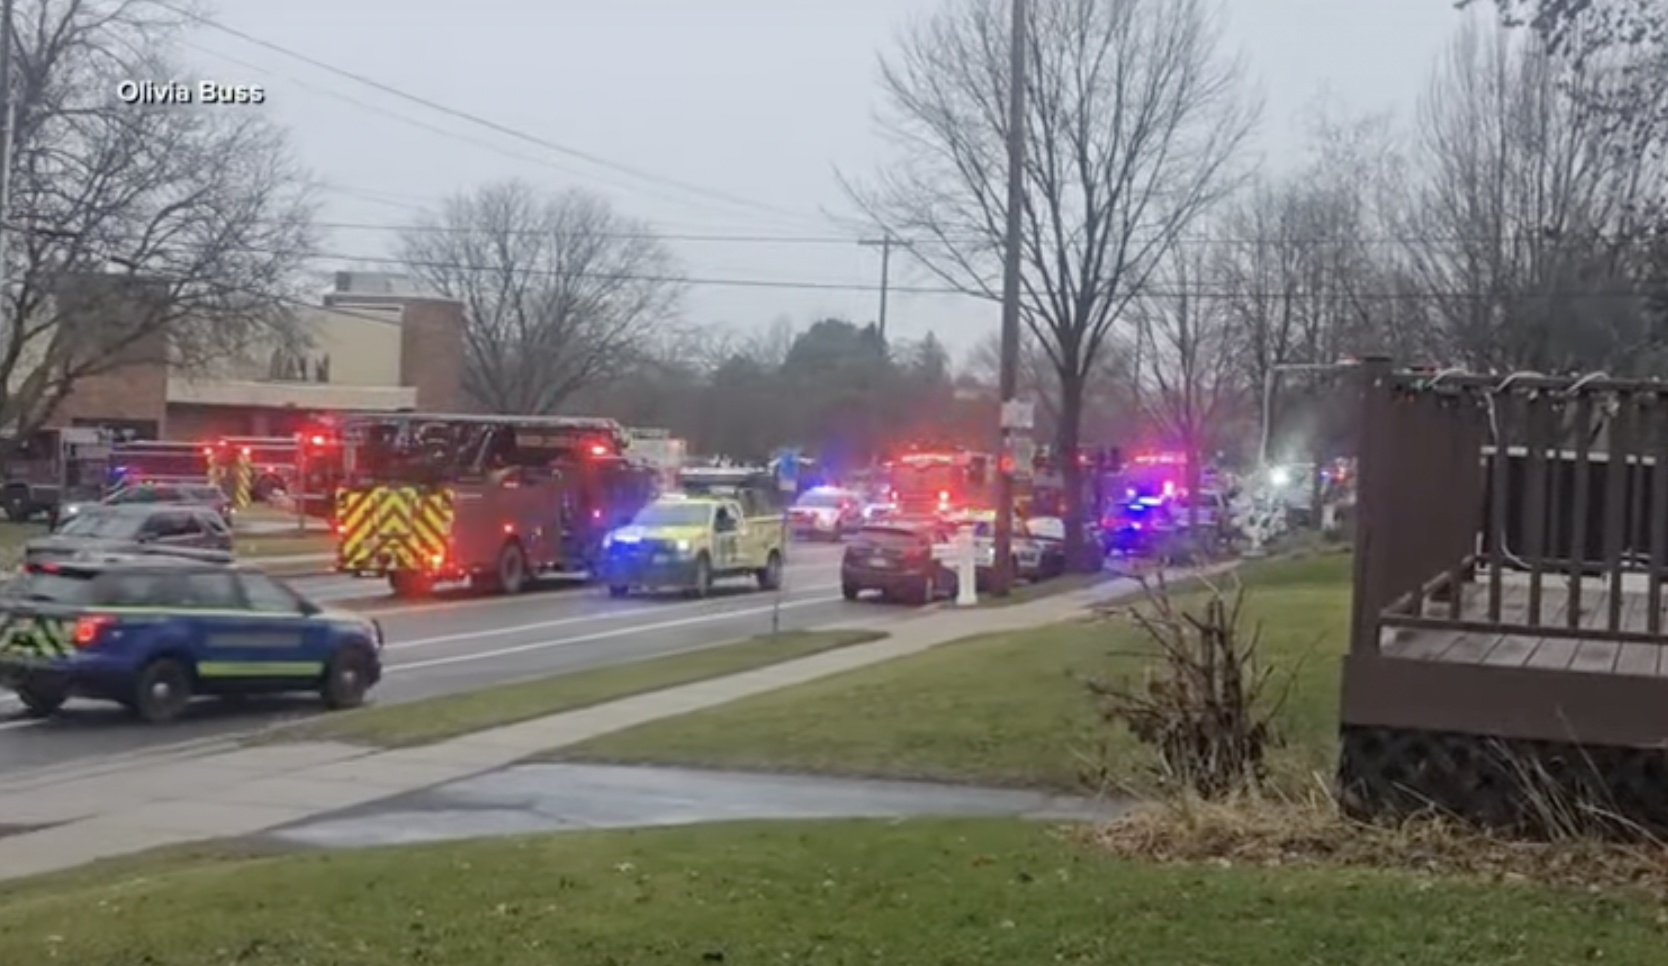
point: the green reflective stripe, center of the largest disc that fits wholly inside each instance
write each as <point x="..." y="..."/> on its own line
<point x="260" y="669"/>
<point x="192" y="613"/>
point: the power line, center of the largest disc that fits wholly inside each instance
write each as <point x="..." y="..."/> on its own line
<point x="898" y="241"/>
<point x="482" y="122"/>
<point x="716" y="238"/>
<point x="432" y="129"/>
<point x="1191" y="291"/>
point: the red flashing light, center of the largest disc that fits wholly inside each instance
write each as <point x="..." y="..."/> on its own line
<point x="208" y="451"/>
<point x="596" y="514"/>
<point x="509" y="528"/>
<point x="246" y="451"/>
<point x="944" y="496"/>
<point x="318" y="441"/>
<point x="599" y="449"/>
<point x="88" y="629"/>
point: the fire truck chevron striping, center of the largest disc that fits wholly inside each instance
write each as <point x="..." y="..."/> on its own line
<point x="394" y="527"/>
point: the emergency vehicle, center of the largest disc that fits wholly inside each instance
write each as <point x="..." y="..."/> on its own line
<point x="150" y="632"/>
<point x="496" y="500"/>
<point x="50" y="467"/>
<point x="723" y="523"/>
<point x="305" y="468"/>
<point x="940" y="483"/>
<point x="139" y="461"/>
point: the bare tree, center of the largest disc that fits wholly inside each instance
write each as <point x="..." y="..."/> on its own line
<point x="1527" y="201"/>
<point x="142" y="235"/>
<point x="1189" y="376"/>
<point x="1303" y="269"/>
<point x="562" y="292"/>
<point x="1135" y="125"/>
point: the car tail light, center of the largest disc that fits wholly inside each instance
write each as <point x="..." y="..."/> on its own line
<point x="88" y="629"/>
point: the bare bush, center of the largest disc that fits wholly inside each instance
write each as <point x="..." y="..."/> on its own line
<point x="1205" y="704"/>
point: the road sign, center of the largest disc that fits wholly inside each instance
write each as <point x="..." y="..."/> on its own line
<point x="786" y="465"/>
<point x="1019" y="414"/>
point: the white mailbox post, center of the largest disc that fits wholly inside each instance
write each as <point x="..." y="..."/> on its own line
<point x="967" y="569"/>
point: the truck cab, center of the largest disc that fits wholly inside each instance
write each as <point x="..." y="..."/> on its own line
<point x="688" y="542"/>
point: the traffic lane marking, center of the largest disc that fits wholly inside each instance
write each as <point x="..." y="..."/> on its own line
<point x="532" y="647"/>
<point x="547" y="590"/>
<point x="536" y="609"/>
<point x="625" y="610"/>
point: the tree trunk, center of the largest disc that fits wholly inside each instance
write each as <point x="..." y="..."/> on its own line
<point x="1067" y="443"/>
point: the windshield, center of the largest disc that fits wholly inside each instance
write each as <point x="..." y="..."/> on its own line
<point x="673" y="515"/>
<point x="59" y="587"/>
<point x="95" y="523"/>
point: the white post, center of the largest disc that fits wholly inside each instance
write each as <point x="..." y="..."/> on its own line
<point x="967" y="569"/>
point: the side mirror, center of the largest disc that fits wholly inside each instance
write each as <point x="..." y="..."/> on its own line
<point x="310" y="609"/>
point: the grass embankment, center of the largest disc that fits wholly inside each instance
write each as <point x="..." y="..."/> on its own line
<point x="963" y="891"/>
<point x="448" y="716"/>
<point x="1008" y="709"/>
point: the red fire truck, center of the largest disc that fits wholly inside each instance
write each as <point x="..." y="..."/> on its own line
<point x="305" y="468"/>
<point x="496" y="500"/>
<point x="940" y="482"/>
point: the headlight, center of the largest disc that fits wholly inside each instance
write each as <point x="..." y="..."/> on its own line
<point x="684" y="546"/>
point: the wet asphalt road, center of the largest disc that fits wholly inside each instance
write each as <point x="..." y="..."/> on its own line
<point x="458" y="643"/>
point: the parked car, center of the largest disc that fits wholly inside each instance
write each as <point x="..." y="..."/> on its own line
<point x="204" y="494"/>
<point x="178" y="529"/>
<point x="1049" y="533"/>
<point x="1027" y="553"/>
<point x="902" y="559"/>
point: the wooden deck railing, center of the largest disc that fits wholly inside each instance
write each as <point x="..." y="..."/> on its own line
<point x="1468" y="479"/>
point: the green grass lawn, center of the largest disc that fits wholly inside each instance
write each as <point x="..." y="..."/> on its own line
<point x="967" y="892"/>
<point x="1007" y="709"/>
<point x="436" y="719"/>
<point x="288" y="544"/>
<point x="12" y="538"/>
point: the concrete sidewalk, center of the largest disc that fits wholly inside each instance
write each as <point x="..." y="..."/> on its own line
<point x="84" y="816"/>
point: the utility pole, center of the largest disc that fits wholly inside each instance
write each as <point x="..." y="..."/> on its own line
<point x="8" y="116"/>
<point x="1005" y="492"/>
<point x="885" y="243"/>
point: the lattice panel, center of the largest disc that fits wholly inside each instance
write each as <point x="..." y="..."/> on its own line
<point x="1506" y="784"/>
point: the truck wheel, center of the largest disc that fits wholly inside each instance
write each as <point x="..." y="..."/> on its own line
<point x="347" y="679"/>
<point x="770" y="577"/>
<point x="702" y="585"/>
<point x="849" y="591"/>
<point x="41" y="700"/>
<point x="162" y="691"/>
<point x="512" y="568"/>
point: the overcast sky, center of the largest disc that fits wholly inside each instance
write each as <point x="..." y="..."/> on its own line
<point x="759" y="100"/>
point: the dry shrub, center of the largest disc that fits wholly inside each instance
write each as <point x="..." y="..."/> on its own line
<point x="1204" y="703"/>
<point x="1264" y="832"/>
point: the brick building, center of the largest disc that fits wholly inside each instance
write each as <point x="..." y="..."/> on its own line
<point x="374" y="344"/>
